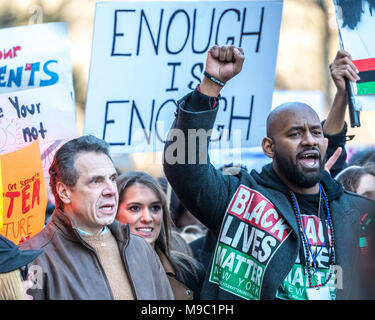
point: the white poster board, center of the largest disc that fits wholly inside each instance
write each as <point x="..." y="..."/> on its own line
<point x="147" y="55"/>
<point x="47" y="114"/>
<point x="35" y="56"/>
<point x="356" y="24"/>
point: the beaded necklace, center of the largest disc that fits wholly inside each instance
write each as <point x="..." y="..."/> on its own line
<point x="310" y="267"/>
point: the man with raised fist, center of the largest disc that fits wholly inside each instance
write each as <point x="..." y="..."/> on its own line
<point x="288" y="232"/>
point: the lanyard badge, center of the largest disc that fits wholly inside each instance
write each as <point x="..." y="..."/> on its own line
<point x="320" y="293"/>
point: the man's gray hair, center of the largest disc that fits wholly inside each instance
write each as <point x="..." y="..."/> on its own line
<point x="62" y="168"/>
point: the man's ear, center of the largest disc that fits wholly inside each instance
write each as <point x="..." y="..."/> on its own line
<point x="63" y="192"/>
<point x="268" y="147"/>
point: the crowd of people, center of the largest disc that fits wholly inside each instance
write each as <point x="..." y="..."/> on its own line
<point x="295" y="230"/>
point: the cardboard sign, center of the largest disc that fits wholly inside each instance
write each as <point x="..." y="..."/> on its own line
<point x="1" y="198"/>
<point x="47" y="114"/>
<point x="35" y="56"/>
<point x="24" y="193"/>
<point x="147" y="55"/>
<point x="356" y="21"/>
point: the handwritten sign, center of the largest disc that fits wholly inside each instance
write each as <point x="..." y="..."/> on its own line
<point x="47" y="114"/>
<point x="35" y="56"/>
<point x="24" y="193"/>
<point x="356" y="20"/>
<point x="1" y="198"/>
<point x="147" y="55"/>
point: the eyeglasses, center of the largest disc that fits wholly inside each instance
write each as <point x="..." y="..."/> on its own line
<point x="24" y="272"/>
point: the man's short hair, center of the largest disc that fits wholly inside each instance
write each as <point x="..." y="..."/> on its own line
<point x="62" y="168"/>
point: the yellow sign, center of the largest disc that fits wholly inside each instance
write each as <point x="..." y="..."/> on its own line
<point x="24" y="193"/>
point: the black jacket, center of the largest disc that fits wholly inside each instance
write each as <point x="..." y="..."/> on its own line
<point x="253" y="219"/>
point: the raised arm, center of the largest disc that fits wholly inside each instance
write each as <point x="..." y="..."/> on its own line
<point x="201" y="188"/>
<point x="222" y="63"/>
<point x="342" y="70"/>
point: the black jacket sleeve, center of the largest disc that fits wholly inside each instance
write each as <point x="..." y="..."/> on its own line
<point x="335" y="141"/>
<point x="202" y="189"/>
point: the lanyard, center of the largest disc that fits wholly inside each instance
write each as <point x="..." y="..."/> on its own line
<point x="303" y="226"/>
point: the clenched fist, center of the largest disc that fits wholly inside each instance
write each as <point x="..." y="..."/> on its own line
<point x="223" y="63"/>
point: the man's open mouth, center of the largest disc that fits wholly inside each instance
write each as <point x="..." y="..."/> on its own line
<point x="107" y="208"/>
<point x="309" y="159"/>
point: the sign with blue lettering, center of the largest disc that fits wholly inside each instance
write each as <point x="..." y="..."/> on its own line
<point x="147" y="55"/>
<point x="35" y="56"/>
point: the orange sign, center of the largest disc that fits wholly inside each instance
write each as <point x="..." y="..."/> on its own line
<point x="1" y="199"/>
<point x="24" y="193"/>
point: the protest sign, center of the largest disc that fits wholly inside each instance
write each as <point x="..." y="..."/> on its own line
<point x="147" y="55"/>
<point x="35" y="56"/>
<point x="45" y="113"/>
<point x="1" y="198"/>
<point x="24" y="193"/>
<point x="356" y="20"/>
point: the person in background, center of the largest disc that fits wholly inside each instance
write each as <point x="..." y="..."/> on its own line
<point x="370" y="160"/>
<point x="358" y="179"/>
<point x="187" y="226"/>
<point x="88" y="255"/>
<point x="143" y="206"/>
<point x="14" y="276"/>
<point x="359" y="158"/>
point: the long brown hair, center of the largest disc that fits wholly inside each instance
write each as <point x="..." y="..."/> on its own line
<point x="350" y="176"/>
<point x="163" y="242"/>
